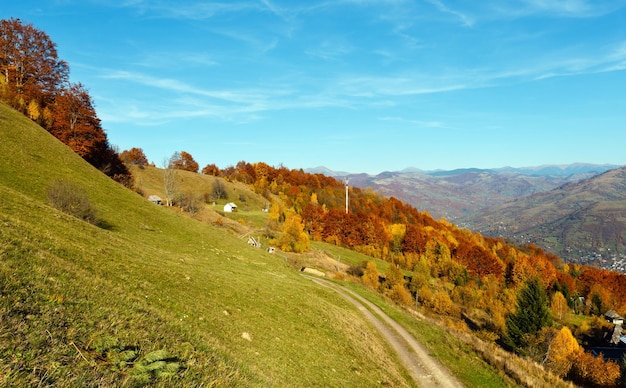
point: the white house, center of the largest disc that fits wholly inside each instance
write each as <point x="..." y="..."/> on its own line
<point x="230" y="207"/>
<point x="155" y="199"/>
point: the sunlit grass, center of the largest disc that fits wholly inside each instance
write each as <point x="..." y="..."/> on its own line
<point x="156" y="297"/>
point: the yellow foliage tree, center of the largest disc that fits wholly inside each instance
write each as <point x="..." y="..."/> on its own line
<point x="33" y="110"/>
<point x="561" y="352"/>
<point x="397" y="232"/>
<point x="399" y="294"/>
<point x="437" y="255"/>
<point x="293" y="238"/>
<point x="395" y="285"/>
<point x="559" y="306"/>
<point x="442" y="304"/>
<point x="425" y="295"/>
<point x="370" y="276"/>
<point x="393" y="276"/>
<point x="277" y="212"/>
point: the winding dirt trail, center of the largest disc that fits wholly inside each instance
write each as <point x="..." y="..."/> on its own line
<point x="425" y="370"/>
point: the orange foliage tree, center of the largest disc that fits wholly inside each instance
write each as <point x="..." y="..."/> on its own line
<point x="183" y="161"/>
<point x="593" y="371"/>
<point x="29" y="65"/>
<point x="211" y="169"/>
<point x="75" y="122"/>
<point x="134" y="156"/>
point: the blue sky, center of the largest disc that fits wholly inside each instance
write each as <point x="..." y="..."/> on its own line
<point x="353" y="85"/>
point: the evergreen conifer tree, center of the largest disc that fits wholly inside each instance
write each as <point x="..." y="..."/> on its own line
<point x="532" y="314"/>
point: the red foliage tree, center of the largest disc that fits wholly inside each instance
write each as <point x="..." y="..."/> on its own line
<point x="313" y="218"/>
<point x="415" y="239"/>
<point x="75" y="122"/>
<point x="479" y="261"/>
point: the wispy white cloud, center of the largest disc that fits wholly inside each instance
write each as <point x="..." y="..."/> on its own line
<point x="260" y="44"/>
<point x="193" y="10"/>
<point x="571" y="8"/>
<point x="182" y="60"/>
<point x="174" y="85"/>
<point x="330" y="49"/>
<point x="495" y="9"/>
<point x="182" y="101"/>
<point x="413" y="122"/>
<point x="464" y="18"/>
<point x="347" y="92"/>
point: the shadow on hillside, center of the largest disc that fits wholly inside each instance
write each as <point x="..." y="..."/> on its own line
<point x="104" y="224"/>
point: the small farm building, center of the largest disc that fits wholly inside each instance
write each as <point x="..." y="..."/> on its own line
<point x="155" y="199"/>
<point x="230" y="207"/>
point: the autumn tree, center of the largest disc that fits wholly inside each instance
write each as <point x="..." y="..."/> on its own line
<point x="313" y="217"/>
<point x="189" y="202"/>
<point x="293" y="238"/>
<point x="211" y="169"/>
<point x="593" y="371"/>
<point x="29" y="65"/>
<point x="421" y="275"/>
<point x="530" y="316"/>
<point x="74" y="121"/>
<point x="559" y="306"/>
<point x="183" y="161"/>
<point x="219" y="189"/>
<point x="414" y="239"/>
<point x="395" y="285"/>
<point x="134" y="156"/>
<point x="370" y="276"/>
<point x="169" y="181"/>
<point x="561" y="352"/>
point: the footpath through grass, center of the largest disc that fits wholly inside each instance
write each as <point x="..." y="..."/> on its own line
<point x="466" y="364"/>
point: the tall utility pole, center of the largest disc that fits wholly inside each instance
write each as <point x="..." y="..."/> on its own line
<point x="346" y="195"/>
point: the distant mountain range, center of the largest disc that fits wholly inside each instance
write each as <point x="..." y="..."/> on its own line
<point x="577" y="211"/>
<point x="582" y="221"/>
<point x="454" y="194"/>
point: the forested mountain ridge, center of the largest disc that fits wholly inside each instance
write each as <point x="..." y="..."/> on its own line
<point x="460" y="193"/>
<point x="583" y="222"/>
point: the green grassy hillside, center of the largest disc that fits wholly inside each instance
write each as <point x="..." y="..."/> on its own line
<point x="153" y="296"/>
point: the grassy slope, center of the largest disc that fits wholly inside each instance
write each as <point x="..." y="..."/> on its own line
<point x="75" y="298"/>
<point x="149" y="180"/>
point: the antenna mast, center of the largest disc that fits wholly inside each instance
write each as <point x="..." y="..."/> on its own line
<point x="346" y="195"/>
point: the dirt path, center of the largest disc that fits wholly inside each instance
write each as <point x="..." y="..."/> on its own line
<point x="425" y="370"/>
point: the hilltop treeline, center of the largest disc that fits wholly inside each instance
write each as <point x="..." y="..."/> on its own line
<point x="35" y="81"/>
<point x="455" y="272"/>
